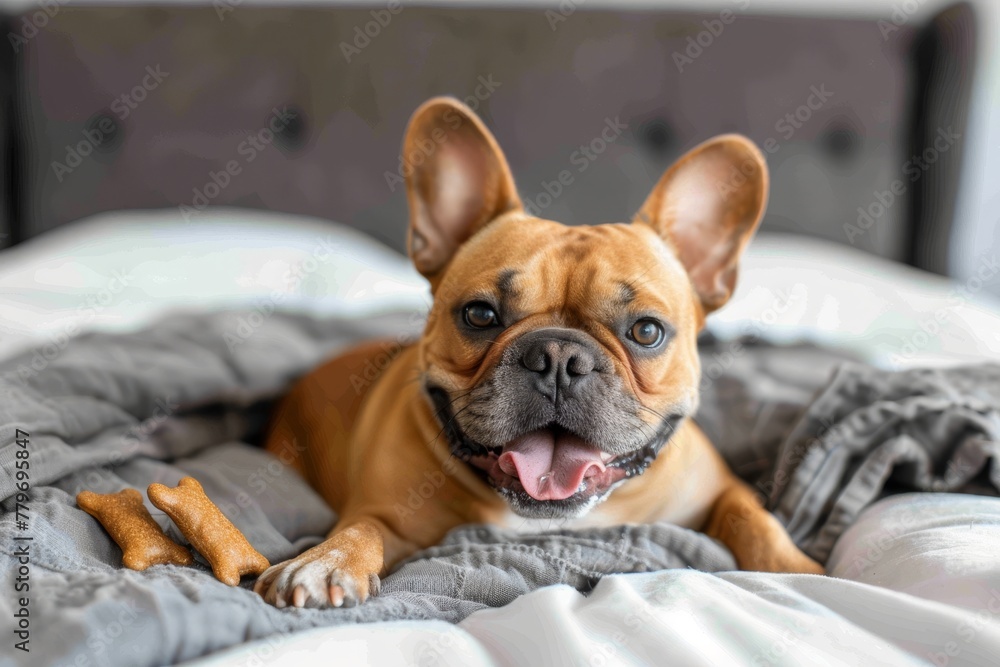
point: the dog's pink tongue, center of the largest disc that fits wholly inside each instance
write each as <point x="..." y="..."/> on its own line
<point x="550" y="467"/>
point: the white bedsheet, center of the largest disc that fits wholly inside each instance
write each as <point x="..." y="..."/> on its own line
<point x="927" y="592"/>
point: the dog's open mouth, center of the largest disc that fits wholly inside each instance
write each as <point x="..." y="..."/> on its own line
<point x="551" y="463"/>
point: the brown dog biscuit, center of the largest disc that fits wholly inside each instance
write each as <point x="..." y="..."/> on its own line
<point x="208" y="530"/>
<point x="125" y="517"/>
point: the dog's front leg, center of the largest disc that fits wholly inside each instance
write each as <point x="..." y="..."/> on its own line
<point x="342" y="571"/>
<point x="757" y="539"/>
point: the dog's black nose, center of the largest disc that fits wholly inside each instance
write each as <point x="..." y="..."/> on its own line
<point x="559" y="363"/>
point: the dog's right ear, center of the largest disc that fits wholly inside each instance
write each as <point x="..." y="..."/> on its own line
<point x="457" y="181"/>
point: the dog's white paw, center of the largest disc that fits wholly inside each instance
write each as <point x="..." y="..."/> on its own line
<point x="320" y="577"/>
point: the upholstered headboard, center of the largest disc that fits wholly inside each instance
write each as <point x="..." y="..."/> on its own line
<point x="303" y="109"/>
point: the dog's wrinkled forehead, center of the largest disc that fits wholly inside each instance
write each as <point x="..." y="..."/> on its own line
<point x="569" y="273"/>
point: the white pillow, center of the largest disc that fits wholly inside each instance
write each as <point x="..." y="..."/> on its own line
<point x="794" y="287"/>
<point x="122" y="270"/>
<point x="938" y="546"/>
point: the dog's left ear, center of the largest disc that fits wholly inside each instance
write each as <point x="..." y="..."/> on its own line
<point x="706" y="207"/>
<point x="458" y="181"/>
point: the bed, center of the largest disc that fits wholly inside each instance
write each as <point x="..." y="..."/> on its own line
<point x="143" y="336"/>
<point x="914" y="579"/>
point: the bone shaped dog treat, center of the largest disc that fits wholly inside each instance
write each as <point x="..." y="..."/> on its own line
<point x="208" y="530"/>
<point x="142" y="541"/>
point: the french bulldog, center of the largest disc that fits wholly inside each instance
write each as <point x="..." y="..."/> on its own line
<point x="554" y="379"/>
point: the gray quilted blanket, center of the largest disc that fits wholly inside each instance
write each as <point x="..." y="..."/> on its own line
<point x="818" y="434"/>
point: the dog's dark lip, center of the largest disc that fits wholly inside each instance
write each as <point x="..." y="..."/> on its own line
<point x="633" y="463"/>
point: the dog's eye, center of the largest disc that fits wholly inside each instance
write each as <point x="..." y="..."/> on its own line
<point x="481" y="315"/>
<point x="648" y="333"/>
